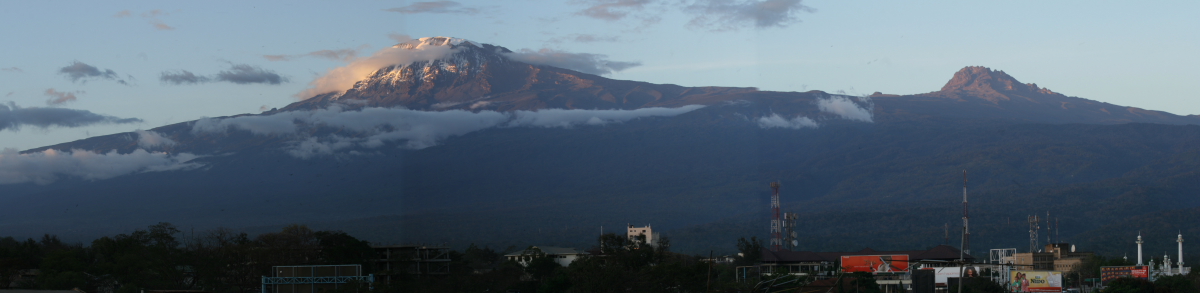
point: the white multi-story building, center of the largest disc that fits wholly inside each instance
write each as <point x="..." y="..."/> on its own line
<point x="643" y="233"/>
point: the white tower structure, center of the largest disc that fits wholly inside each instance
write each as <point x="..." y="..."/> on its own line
<point x="1180" y="240"/>
<point x="1139" y="243"/>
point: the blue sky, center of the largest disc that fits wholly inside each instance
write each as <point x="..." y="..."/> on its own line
<point x="1139" y="55"/>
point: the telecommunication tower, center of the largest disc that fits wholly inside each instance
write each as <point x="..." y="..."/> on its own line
<point x="791" y="239"/>
<point x="966" y="238"/>
<point x="1033" y="231"/>
<point x="776" y="239"/>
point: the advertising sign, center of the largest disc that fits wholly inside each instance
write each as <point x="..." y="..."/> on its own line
<point x="1036" y="281"/>
<point x="943" y="274"/>
<point x="1112" y="273"/>
<point x="897" y="263"/>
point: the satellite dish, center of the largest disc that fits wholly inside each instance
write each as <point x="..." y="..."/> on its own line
<point x="795" y="243"/>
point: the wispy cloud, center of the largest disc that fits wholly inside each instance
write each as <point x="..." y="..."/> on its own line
<point x="12" y="69"/>
<point x="370" y="128"/>
<point x="151" y="16"/>
<point x="13" y="117"/>
<point x="149" y="139"/>
<point x="343" y="78"/>
<point x="612" y="10"/>
<point x="777" y="121"/>
<point x="51" y="165"/>
<point x="583" y="38"/>
<point x="59" y="98"/>
<point x="237" y="73"/>
<point x="79" y="71"/>
<point x="597" y="64"/>
<point x="848" y="109"/>
<point x="435" y="7"/>
<point x="719" y="15"/>
<point x="344" y="55"/>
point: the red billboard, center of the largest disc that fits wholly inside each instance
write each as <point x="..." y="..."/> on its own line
<point x="1112" y="273"/>
<point x="896" y="263"/>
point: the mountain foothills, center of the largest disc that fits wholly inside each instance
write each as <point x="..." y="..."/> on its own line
<point x="452" y="141"/>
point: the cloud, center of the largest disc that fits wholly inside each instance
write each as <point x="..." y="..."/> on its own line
<point x="12" y="69"/>
<point x="13" y="117"/>
<point x="597" y="64"/>
<point x="244" y="74"/>
<point x="344" y="55"/>
<point x="733" y="14"/>
<point x="149" y="139"/>
<point x="343" y="78"/>
<point x="612" y="10"/>
<point x="776" y="121"/>
<point x="81" y="71"/>
<point x="846" y="108"/>
<point x="182" y="77"/>
<point x="237" y="73"/>
<point x="584" y="38"/>
<point x="434" y="7"/>
<point x="50" y="165"/>
<point x="59" y="98"/>
<point x="150" y="16"/>
<point x="374" y="127"/>
<point x="566" y="118"/>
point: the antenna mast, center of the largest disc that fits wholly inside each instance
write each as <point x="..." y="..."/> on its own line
<point x="966" y="241"/>
<point x="1033" y="231"/>
<point x="776" y="239"/>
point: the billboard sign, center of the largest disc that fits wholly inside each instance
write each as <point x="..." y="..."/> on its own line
<point x="1112" y="273"/>
<point x="896" y="263"/>
<point x="941" y="275"/>
<point x="1036" y="281"/>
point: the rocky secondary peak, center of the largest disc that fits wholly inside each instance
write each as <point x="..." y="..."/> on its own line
<point x="990" y="84"/>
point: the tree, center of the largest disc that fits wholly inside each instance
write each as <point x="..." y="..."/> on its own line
<point x="1129" y="285"/>
<point x="751" y="250"/>
<point x="1174" y="284"/>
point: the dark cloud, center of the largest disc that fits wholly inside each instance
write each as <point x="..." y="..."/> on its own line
<point x="81" y="71"/>
<point x="237" y="73"/>
<point x="344" y="55"/>
<point x="434" y="7"/>
<point x="583" y="62"/>
<point x="12" y="69"/>
<point x="13" y="117"/>
<point x="244" y="74"/>
<point x="613" y="10"/>
<point x="182" y="77"/>
<point x="59" y="98"/>
<point x="734" y="14"/>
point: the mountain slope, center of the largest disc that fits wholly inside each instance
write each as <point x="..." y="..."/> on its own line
<point x="513" y="153"/>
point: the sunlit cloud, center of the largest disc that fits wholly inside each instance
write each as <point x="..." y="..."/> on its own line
<point x="59" y="98"/>
<point x="343" y="78"/>
<point x="434" y="7"/>
<point x="151" y="16"/>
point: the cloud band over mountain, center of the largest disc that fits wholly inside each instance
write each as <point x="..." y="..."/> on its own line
<point x="418" y="129"/>
<point x="50" y="165"/>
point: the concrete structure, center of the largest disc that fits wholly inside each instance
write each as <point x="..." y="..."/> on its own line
<point x="314" y="279"/>
<point x="394" y="260"/>
<point x="1056" y="257"/>
<point x="643" y="233"/>
<point x="1139" y="243"/>
<point x="562" y="256"/>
